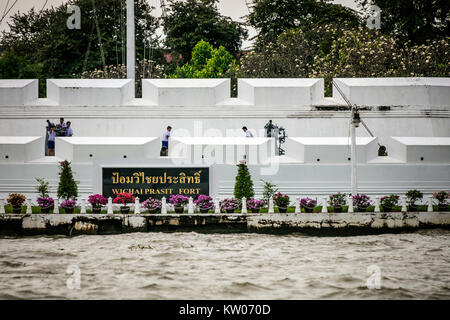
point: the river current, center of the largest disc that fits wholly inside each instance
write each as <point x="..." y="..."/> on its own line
<point x="189" y="265"/>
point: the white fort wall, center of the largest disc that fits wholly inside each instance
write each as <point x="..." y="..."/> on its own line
<point x="110" y="124"/>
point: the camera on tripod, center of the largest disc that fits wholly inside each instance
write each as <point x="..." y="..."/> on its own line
<point x="59" y="130"/>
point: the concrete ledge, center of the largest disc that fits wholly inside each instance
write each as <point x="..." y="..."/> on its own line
<point x="18" y="92"/>
<point x="310" y="223"/>
<point x="281" y="92"/>
<point x="90" y="92"/>
<point x="185" y="92"/>
<point x="431" y="92"/>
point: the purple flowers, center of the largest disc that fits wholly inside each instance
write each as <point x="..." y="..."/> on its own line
<point x="254" y="204"/>
<point x="361" y="201"/>
<point x="229" y="204"/>
<point x="178" y="200"/>
<point x="68" y="204"/>
<point x="308" y="203"/>
<point x="152" y="204"/>
<point x="204" y="202"/>
<point x="97" y="200"/>
<point x="45" y="202"/>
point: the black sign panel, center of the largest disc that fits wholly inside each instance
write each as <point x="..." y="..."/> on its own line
<point x="155" y="182"/>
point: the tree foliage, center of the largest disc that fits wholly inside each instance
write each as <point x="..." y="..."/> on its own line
<point x="43" y="37"/>
<point x="194" y="20"/>
<point x="67" y="187"/>
<point x="414" y="20"/>
<point x="272" y="17"/>
<point x="243" y="186"/>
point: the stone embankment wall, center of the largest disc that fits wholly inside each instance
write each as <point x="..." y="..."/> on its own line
<point x="309" y="223"/>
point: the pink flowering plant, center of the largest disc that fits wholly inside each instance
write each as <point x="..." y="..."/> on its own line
<point x="229" y="204"/>
<point x="390" y="201"/>
<point x="204" y="202"/>
<point x="68" y="204"/>
<point x="308" y="203"/>
<point x="361" y="200"/>
<point x="254" y="204"/>
<point x="178" y="200"/>
<point x="97" y="200"/>
<point x="441" y="197"/>
<point x="152" y="204"/>
<point x="45" y="202"/>
<point x="281" y="200"/>
<point x="337" y="199"/>
<point x="124" y="198"/>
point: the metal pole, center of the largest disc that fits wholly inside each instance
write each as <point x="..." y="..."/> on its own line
<point x="131" y="43"/>
<point x="353" y="154"/>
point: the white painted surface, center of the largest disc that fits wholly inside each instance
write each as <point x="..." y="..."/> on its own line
<point x="185" y="92"/>
<point x="281" y="91"/>
<point x="90" y="92"/>
<point x="18" y="92"/>
<point x="21" y="149"/>
<point x="423" y="149"/>
<point x="395" y="91"/>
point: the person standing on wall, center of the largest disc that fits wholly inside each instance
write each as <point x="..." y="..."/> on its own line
<point x="165" y="141"/>
<point x="69" y="130"/>
<point x="248" y="134"/>
<point x="51" y="141"/>
<point x="61" y="127"/>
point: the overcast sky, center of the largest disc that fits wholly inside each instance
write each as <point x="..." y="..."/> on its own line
<point x="235" y="9"/>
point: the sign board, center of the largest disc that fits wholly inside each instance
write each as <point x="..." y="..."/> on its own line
<point x="155" y="182"/>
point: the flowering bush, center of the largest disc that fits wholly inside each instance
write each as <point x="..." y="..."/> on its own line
<point x="281" y="200"/>
<point x="97" y="200"/>
<point x="390" y="201"/>
<point x="204" y="202"/>
<point x="441" y="197"/>
<point x="16" y="199"/>
<point x="308" y="203"/>
<point x="337" y="199"/>
<point x="68" y="204"/>
<point x="151" y="203"/>
<point x="123" y="198"/>
<point x="255" y="204"/>
<point x="45" y="202"/>
<point x="229" y="204"/>
<point x="361" y="201"/>
<point x="178" y="200"/>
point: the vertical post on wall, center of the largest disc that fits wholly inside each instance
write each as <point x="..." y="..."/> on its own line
<point x="244" y="205"/>
<point x="216" y="205"/>
<point x="131" y="49"/>
<point x="350" y="204"/>
<point x="2" y="206"/>
<point x="137" y="206"/>
<point x="430" y="204"/>
<point x="377" y="204"/>
<point x="83" y="205"/>
<point x="353" y="153"/>
<point x="56" y="206"/>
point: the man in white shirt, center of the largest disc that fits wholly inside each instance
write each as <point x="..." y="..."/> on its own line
<point x="165" y="140"/>
<point x="51" y="141"/>
<point x="69" y="130"/>
<point x="248" y="134"/>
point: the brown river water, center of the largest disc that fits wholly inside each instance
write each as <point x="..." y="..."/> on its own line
<point x="189" y="265"/>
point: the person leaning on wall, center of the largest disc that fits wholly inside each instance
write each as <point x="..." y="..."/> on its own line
<point x="51" y="141"/>
<point x="69" y="130"/>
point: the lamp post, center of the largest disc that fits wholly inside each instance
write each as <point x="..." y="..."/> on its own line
<point x="131" y="70"/>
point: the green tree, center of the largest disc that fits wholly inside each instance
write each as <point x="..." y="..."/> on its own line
<point x="67" y="187"/>
<point x="413" y="20"/>
<point x="193" y="20"/>
<point x="269" y="190"/>
<point x="272" y="17"/>
<point x="13" y="66"/>
<point x="244" y="184"/>
<point x="43" y="37"/>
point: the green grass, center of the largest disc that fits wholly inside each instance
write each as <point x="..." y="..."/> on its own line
<point x="318" y="209"/>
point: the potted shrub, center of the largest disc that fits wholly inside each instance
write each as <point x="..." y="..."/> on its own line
<point x="337" y="201"/>
<point x="229" y="205"/>
<point x="178" y="201"/>
<point x="255" y="205"/>
<point x="16" y="200"/>
<point x="412" y="196"/>
<point x="441" y="197"/>
<point x="124" y="198"/>
<point x="389" y="202"/>
<point x="153" y="205"/>
<point x="45" y="203"/>
<point x="282" y="201"/>
<point x="204" y="203"/>
<point x="68" y="205"/>
<point x="308" y="204"/>
<point x="361" y="202"/>
<point x="97" y="201"/>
